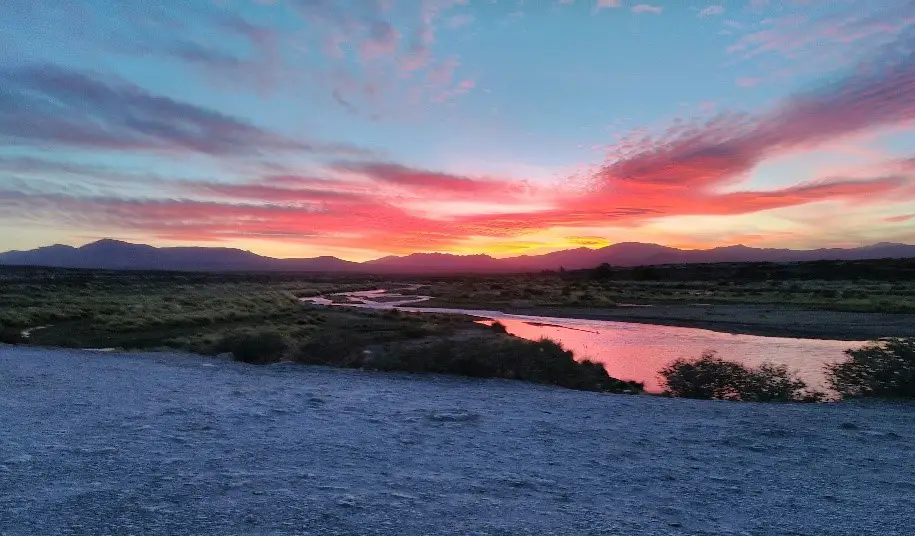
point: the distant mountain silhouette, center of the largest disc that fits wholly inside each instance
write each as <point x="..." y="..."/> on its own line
<point x="437" y="262"/>
<point x="117" y="255"/>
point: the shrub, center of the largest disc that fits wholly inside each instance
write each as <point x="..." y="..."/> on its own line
<point x="11" y="336"/>
<point x="880" y="369"/>
<point x="710" y="377"/>
<point x="775" y="383"/>
<point x="542" y="361"/>
<point x="259" y="348"/>
<point x="330" y="348"/>
<point x="498" y="327"/>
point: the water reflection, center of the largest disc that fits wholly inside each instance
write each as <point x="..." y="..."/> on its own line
<point x="637" y="351"/>
<point x="633" y="351"/>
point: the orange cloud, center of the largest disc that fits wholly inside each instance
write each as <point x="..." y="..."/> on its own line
<point x="425" y="183"/>
<point x="588" y="241"/>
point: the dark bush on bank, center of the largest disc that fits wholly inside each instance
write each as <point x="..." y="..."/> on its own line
<point x="258" y="347"/>
<point x="542" y="361"/>
<point x="332" y="348"/>
<point x="710" y="377"/>
<point x="884" y="369"/>
<point x="11" y="336"/>
<point x="498" y="327"/>
<point x="484" y="355"/>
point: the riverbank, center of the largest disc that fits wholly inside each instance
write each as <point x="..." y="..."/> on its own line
<point x="761" y="320"/>
<point x="183" y="445"/>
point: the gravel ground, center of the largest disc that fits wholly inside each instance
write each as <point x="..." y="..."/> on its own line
<point x="104" y="443"/>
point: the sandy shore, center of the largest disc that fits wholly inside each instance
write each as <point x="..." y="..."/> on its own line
<point x="761" y="320"/>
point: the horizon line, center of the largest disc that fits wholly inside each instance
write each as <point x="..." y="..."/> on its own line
<point x="459" y="255"/>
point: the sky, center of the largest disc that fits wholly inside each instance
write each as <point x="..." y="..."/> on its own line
<point x="365" y="128"/>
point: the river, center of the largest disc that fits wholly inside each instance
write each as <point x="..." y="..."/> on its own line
<point x="631" y="351"/>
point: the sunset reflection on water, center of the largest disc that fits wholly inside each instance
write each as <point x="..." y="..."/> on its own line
<point x="638" y="351"/>
<point x="632" y="351"/>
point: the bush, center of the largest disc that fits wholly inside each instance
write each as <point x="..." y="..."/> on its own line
<point x="880" y="369"/>
<point x="542" y="361"/>
<point x="11" y="336"/>
<point x="710" y="377"/>
<point x="258" y="348"/>
<point x="775" y="383"/>
<point x="331" y="348"/>
<point x="498" y="327"/>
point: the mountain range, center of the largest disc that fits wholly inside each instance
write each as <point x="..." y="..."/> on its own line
<point x="116" y="255"/>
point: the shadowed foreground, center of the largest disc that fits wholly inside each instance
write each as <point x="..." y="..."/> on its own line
<point x="157" y="444"/>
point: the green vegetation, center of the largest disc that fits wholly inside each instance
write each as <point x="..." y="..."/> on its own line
<point x="884" y="369"/>
<point x="710" y="377"/>
<point x="503" y="356"/>
<point x="881" y="286"/>
<point x="257" y="348"/>
<point x="259" y="320"/>
<point x="141" y="310"/>
<point x="473" y="353"/>
<point x="883" y="270"/>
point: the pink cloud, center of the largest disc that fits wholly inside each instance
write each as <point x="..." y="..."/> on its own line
<point x="604" y="4"/>
<point x="383" y="41"/>
<point x="647" y="8"/>
<point x="835" y="38"/>
<point x="423" y="183"/>
<point x="270" y="193"/>
<point x="441" y="75"/>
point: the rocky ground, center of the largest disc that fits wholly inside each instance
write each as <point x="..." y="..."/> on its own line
<point x="106" y="443"/>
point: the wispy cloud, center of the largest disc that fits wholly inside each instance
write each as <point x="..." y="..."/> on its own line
<point x="331" y="223"/>
<point x="711" y="11"/>
<point x="391" y="60"/>
<point x="425" y="183"/>
<point x="48" y="105"/>
<point x="605" y="4"/>
<point x="213" y="41"/>
<point x="841" y="34"/>
<point x="878" y="93"/>
<point x="371" y="54"/>
<point x="647" y="8"/>
<point x="693" y="169"/>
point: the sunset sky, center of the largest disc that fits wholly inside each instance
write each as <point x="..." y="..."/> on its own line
<point x="362" y="128"/>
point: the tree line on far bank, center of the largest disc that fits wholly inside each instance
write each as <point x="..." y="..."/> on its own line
<point x="825" y="270"/>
